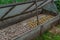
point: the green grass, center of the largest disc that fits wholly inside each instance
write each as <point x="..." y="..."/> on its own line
<point x="58" y="26"/>
<point x="58" y="4"/>
<point x="49" y="36"/>
<point x="10" y="1"/>
<point x="37" y="38"/>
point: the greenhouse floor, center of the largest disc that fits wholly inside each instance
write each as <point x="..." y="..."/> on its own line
<point x="53" y="34"/>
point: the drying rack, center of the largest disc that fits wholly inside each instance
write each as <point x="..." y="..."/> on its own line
<point x="34" y="5"/>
